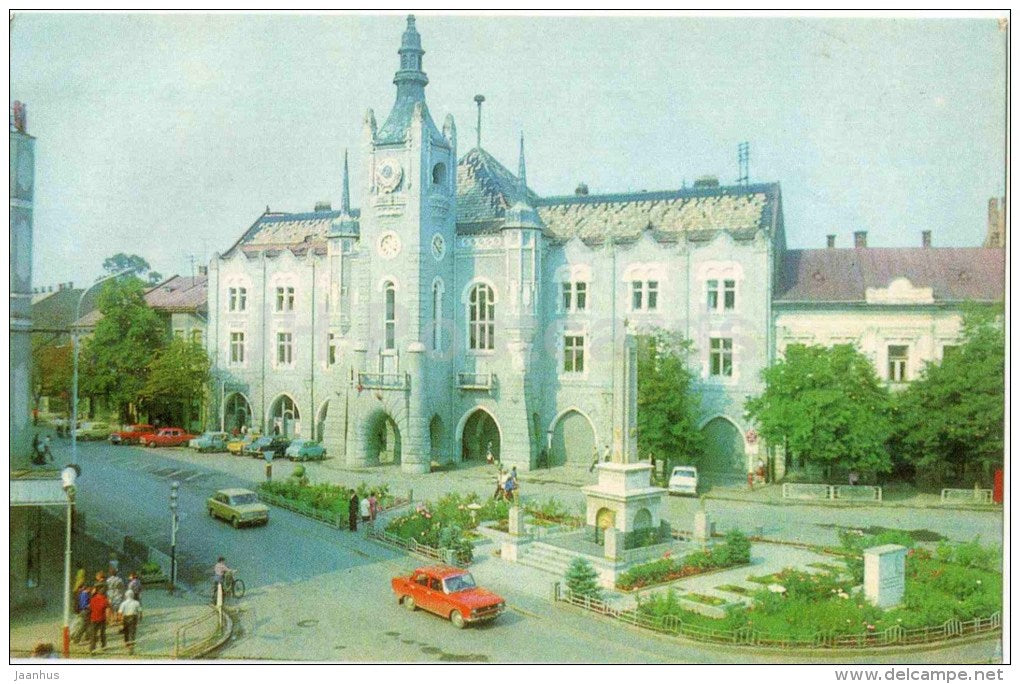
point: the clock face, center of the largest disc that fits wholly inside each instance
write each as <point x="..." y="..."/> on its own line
<point x="388" y="175"/>
<point x="389" y="245"/>
<point x="438" y="247"/>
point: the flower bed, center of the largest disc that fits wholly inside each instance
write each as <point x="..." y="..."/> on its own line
<point x="955" y="583"/>
<point x="735" y="589"/>
<point x="704" y="598"/>
<point x="445" y="523"/>
<point x="321" y="500"/>
<point x="736" y="550"/>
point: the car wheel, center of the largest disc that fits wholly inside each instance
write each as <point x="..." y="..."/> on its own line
<point x="236" y="522"/>
<point x="152" y="445"/>
<point x="457" y="619"/>
<point x="409" y="604"/>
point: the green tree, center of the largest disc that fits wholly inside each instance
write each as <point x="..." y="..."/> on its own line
<point x="155" y="277"/>
<point x="51" y="369"/>
<point x="178" y="376"/>
<point x="131" y="263"/>
<point x="827" y="405"/>
<point x="667" y="406"/>
<point x="115" y="362"/>
<point x="950" y="422"/>
<point x="582" y="580"/>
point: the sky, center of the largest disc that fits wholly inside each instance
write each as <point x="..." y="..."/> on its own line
<point x="168" y="135"/>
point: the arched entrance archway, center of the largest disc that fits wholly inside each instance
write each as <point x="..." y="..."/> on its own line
<point x="436" y="438"/>
<point x="724" y="450"/>
<point x="383" y="440"/>
<point x="320" y="421"/>
<point x="236" y="412"/>
<point x="573" y="440"/>
<point x="284" y="417"/>
<point x="479" y="435"/>
<point x="605" y="519"/>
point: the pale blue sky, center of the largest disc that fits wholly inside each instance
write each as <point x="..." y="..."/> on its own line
<point x="168" y="135"/>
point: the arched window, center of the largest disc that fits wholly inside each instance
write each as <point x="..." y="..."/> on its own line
<point x="438" y="173"/>
<point x="390" y="314"/>
<point x="481" y="318"/>
<point x="437" y="315"/>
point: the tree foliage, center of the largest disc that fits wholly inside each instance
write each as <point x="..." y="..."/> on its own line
<point x="177" y="378"/>
<point x="950" y="422"/>
<point x="827" y="405"/>
<point x="582" y="580"/>
<point x="52" y="368"/>
<point x="115" y="361"/>
<point x="131" y="264"/>
<point x="667" y="406"/>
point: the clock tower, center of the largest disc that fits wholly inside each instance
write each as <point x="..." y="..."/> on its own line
<point x="407" y="239"/>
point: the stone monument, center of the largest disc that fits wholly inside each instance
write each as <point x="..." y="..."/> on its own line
<point x="884" y="574"/>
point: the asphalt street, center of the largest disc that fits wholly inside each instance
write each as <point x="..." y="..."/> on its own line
<point x="316" y="593"/>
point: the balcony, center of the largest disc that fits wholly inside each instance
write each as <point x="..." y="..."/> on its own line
<point x="384" y="381"/>
<point x="476" y="381"/>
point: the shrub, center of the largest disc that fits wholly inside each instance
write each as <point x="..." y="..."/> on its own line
<point x="582" y="580"/>
<point x="150" y="568"/>
<point x="738" y="547"/>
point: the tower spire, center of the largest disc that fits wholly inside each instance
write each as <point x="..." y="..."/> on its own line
<point x="479" y="99"/>
<point x="410" y="79"/>
<point x="522" y="177"/>
<point x="345" y="200"/>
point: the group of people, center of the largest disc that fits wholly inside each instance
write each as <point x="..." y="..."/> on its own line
<point x="107" y="600"/>
<point x="507" y="485"/>
<point x="367" y="509"/>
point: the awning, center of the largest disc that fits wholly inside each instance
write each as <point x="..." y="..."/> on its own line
<point x="38" y="492"/>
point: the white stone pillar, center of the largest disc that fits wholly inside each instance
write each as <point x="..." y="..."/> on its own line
<point x="884" y="574"/>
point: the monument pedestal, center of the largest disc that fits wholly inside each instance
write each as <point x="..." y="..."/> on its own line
<point x="624" y="498"/>
<point x="884" y="574"/>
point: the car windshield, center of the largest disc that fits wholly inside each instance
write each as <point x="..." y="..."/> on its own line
<point x="297" y="442"/>
<point x="684" y="472"/>
<point x="240" y="499"/>
<point x="458" y="583"/>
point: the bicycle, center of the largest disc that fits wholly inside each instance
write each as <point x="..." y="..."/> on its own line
<point x="232" y="586"/>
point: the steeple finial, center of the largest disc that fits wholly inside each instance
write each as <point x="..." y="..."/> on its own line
<point x="410" y="79"/>
<point x="345" y="201"/>
<point x="522" y="177"/>
<point x="479" y="99"/>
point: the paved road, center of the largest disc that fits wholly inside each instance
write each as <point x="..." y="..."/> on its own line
<point x="321" y="594"/>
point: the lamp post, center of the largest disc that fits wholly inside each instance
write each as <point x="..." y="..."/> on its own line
<point x="74" y="381"/>
<point x="173" y="533"/>
<point x="68" y="477"/>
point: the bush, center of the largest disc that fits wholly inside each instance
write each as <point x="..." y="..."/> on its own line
<point x="582" y="580"/>
<point x="443" y="524"/>
<point x="150" y="568"/>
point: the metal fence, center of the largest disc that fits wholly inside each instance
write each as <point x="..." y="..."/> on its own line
<point x="747" y="636"/>
<point x="194" y="637"/>
<point x="952" y="495"/>
<point x="332" y="518"/>
<point x="448" y="556"/>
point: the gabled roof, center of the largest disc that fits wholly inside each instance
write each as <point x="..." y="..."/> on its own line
<point x="694" y="212"/>
<point x="844" y="275"/>
<point x="57" y="311"/>
<point x="177" y="294"/>
<point x="283" y="230"/>
<point x="485" y="190"/>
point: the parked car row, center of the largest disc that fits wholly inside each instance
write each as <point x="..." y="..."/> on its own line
<point x="251" y="444"/>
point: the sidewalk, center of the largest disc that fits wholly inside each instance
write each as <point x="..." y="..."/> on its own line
<point x="163" y="614"/>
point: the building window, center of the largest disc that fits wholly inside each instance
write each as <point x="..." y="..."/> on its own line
<point x="284" y="349"/>
<point x="196" y="336"/>
<point x="481" y="318"/>
<point x="720" y="356"/>
<point x="331" y="349"/>
<point x="285" y="299"/>
<point x="237" y="299"/>
<point x="644" y="295"/>
<point x="390" y="315"/>
<point x="713" y="295"/>
<point x="729" y="294"/>
<point x="237" y="348"/>
<point x="575" y="296"/>
<point x="573" y="354"/>
<point x="897" y="363"/>
<point x="437" y="316"/>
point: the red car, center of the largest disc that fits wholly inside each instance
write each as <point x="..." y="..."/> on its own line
<point x="130" y="434"/>
<point x="448" y="592"/>
<point x="166" y="437"/>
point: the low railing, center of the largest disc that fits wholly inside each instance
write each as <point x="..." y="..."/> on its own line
<point x="476" y="381"/>
<point x="817" y="492"/>
<point x="388" y="381"/>
<point x="448" y="556"/>
<point x="675" y="625"/>
<point x="194" y="637"/>
<point x="335" y="519"/>
<point x="857" y="493"/>
<point x="951" y="495"/>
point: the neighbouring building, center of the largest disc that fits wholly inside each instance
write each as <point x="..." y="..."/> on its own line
<point x="996" y="233"/>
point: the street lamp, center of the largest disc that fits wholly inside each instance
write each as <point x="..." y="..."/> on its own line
<point x="173" y="532"/>
<point x="68" y="478"/>
<point x="74" y="382"/>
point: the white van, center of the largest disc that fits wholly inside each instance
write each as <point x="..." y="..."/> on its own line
<point x="684" y="480"/>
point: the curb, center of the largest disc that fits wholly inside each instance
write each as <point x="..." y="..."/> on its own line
<point x="995" y="508"/>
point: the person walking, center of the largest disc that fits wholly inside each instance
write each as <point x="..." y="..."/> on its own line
<point x="47" y="454"/>
<point x="99" y="607"/>
<point x="81" y="619"/>
<point x="131" y="613"/>
<point x="114" y="594"/>
<point x="500" y="481"/>
<point x="134" y="585"/>
<point x="373" y="505"/>
<point x="352" y="512"/>
<point x="365" y="507"/>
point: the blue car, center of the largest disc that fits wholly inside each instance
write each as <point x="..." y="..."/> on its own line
<point x="305" y="450"/>
<point x="210" y="441"/>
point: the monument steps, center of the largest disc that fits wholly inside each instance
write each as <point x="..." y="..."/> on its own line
<point x="547" y="557"/>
